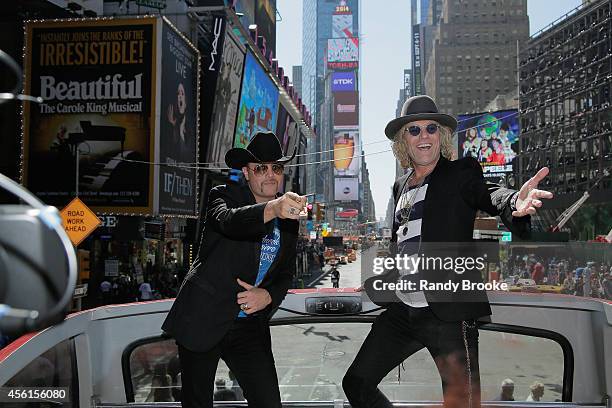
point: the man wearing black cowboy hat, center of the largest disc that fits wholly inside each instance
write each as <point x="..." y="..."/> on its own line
<point x="243" y="270"/>
<point x="436" y="201"/>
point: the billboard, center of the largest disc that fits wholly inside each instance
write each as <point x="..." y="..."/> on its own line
<point x="211" y="48"/>
<point x="342" y="50"/>
<point x="246" y="10"/>
<point x="258" y="107"/>
<point x="97" y="79"/>
<point x="285" y="128"/>
<point x="346" y="189"/>
<point x="342" y="25"/>
<point x="491" y="138"/>
<point x="416" y="59"/>
<point x="344" y="214"/>
<point x="346" y="152"/>
<point x="227" y="96"/>
<point x="178" y="137"/>
<point x="265" y="18"/>
<point x="343" y="81"/>
<point x="407" y="83"/>
<point x="346" y="109"/>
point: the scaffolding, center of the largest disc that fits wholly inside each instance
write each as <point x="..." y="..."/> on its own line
<point x="565" y="74"/>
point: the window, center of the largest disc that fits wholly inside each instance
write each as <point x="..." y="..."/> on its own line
<point x="155" y="372"/>
<point x="320" y="354"/>
<point x="56" y="367"/>
<point x="312" y="369"/>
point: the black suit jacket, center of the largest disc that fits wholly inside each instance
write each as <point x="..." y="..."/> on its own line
<point x="230" y="246"/>
<point x="456" y="190"/>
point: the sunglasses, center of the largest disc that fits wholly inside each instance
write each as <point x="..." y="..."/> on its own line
<point x="262" y="169"/>
<point x="415" y="130"/>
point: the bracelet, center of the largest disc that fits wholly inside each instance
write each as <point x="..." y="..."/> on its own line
<point x="513" y="201"/>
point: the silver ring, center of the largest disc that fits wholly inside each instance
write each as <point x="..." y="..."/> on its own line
<point x="244" y="306"/>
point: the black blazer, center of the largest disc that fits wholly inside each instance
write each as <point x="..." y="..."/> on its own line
<point x="230" y="246"/>
<point x="456" y="190"/>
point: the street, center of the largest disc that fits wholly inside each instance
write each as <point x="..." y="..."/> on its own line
<point x="350" y="276"/>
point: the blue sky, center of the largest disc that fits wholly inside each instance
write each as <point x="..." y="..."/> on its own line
<point x="385" y="49"/>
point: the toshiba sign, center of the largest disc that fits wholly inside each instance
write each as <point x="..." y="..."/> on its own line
<point x="343" y="81"/>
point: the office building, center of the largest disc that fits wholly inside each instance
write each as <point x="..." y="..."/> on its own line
<point x="296" y="79"/>
<point x="473" y="56"/>
<point x="566" y="125"/>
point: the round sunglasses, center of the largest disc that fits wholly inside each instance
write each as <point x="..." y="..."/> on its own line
<point x="262" y="169"/>
<point x="415" y="130"/>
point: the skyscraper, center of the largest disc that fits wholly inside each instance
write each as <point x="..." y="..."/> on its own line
<point x="565" y="112"/>
<point x="405" y="92"/>
<point x="331" y="48"/>
<point x="317" y="29"/>
<point x="473" y="53"/>
<point x="297" y="79"/>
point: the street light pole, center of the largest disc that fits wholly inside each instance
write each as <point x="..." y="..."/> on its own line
<point x="77" y="170"/>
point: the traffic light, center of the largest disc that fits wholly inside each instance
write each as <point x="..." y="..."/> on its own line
<point x="321" y="212"/>
<point x="84" y="266"/>
<point x="309" y="209"/>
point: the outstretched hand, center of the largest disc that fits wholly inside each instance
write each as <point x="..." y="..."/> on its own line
<point x="529" y="197"/>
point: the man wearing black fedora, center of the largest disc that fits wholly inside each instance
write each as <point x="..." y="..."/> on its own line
<point x="435" y="202"/>
<point x="244" y="267"/>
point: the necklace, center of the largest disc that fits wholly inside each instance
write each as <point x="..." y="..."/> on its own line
<point x="407" y="203"/>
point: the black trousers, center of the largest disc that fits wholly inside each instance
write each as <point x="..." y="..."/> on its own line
<point x="401" y="331"/>
<point x="247" y="351"/>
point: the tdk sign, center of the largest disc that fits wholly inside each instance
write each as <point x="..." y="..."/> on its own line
<point x="343" y="81"/>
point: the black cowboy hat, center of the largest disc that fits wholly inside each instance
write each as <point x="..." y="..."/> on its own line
<point x="420" y="107"/>
<point x="264" y="147"/>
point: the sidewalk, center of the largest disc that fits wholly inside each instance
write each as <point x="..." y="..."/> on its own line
<point x="317" y="277"/>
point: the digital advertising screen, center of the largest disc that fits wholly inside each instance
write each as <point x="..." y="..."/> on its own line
<point x="343" y="81"/>
<point x="343" y="53"/>
<point x="265" y="18"/>
<point x="258" y="103"/>
<point x="342" y="25"/>
<point x="284" y="128"/>
<point x="491" y="138"/>
<point x="346" y="152"/>
<point x="346" y="189"/>
<point x="342" y="49"/>
<point x="245" y="9"/>
<point x="226" y="101"/>
<point x="346" y="109"/>
<point x="344" y="213"/>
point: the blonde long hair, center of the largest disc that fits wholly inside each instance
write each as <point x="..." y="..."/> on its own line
<point x="401" y="151"/>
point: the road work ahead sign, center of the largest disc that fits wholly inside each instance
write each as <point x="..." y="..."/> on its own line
<point x="78" y="221"/>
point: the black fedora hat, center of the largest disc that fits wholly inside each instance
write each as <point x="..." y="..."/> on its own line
<point x="420" y="107"/>
<point x="264" y="147"/>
